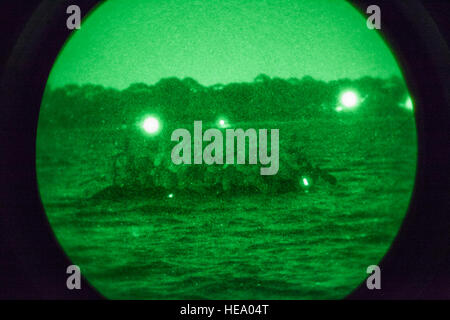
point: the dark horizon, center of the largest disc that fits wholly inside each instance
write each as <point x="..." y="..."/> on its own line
<point x="306" y="76"/>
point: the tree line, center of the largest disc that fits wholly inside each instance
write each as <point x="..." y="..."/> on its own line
<point x="186" y="100"/>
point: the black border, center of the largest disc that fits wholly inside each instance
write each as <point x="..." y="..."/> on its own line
<point x="418" y="262"/>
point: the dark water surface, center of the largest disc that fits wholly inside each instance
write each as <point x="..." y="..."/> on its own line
<point x="289" y="246"/>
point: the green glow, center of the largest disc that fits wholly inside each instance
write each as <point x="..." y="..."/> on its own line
<point x="141" y="227"/>
<point x="350" y="99"/>
<point x="151" y="125"/>
<point x="241" y="39"/>
<point x="409" y="104"/>
<point x="223" y="123"/>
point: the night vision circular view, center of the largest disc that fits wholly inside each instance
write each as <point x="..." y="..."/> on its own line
<point x="226" y="149"/>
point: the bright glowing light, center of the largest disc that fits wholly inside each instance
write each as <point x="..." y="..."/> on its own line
<point x="222" y="122"/>
<point x="151" y="125"/>
<point x="170" y="195"/>
<point x="339" y="109"/>
<point x="305" y="182"/>
<point x="409" y="104"/>
<point x="349" y="99"/>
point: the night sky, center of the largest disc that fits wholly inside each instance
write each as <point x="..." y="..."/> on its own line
<point x="124" y="42"/>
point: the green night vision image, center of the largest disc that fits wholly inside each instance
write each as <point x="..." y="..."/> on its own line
<point x="140" y="226"/>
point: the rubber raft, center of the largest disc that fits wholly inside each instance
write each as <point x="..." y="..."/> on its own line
<point x="161" y="176"/>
